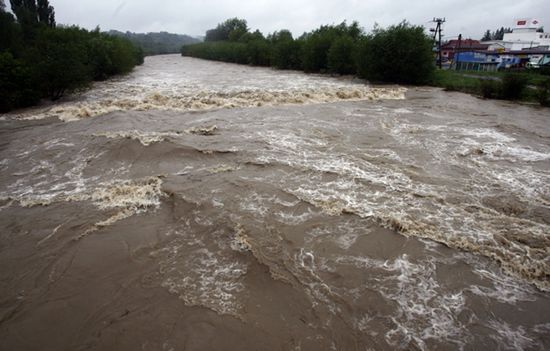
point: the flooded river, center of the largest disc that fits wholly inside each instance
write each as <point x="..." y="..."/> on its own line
<point x="197" y="205"/>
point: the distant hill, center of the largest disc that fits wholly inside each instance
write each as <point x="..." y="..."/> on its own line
<point x="157" y="43"/>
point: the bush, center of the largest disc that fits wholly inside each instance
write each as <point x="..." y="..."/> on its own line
<point x="543" y="92"/>
<point x="218" y="51"/>
<point x="38" y="59"/>
<point x="341" y="56"/>
<point x="314" y="52"/>
<point x="513" y="86"/>
<point x="61" y="61"/>
<point x="398" y="54"/>
<point x="258" y="52"/>
<point x="489" y="88"/>
<point x="284" y="50"/>
<point x="318" y="43"/>
<point x="16" y="84"/>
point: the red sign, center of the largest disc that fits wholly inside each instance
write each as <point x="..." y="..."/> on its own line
<point x="522" y="23"/>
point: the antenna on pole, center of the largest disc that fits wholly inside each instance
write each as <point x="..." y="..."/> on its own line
<point x="437" y="32"/>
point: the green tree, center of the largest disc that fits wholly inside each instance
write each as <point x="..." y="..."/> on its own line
<point x="487" y="36"/>
<point x="341" y="55"/>
<point x="318" y="43"/>
<point x="17" y="88"/>
<point x="38" y="60"/>
<point x="286" y="51"/>
<point x="231" y="29"/>
<point x="30" y="14"/>
<point x="401" y="54"/>
<point x="258" y="52"/>
<point x="61" y="57"/>
<point x="10" y="33"/>
<point x="46" y="13"/>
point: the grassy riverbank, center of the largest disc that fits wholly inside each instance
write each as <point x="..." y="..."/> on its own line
<point x="525" y="86"/>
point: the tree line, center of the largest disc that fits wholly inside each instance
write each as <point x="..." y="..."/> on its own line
<point x="157" y="43"/>
<point x="39" y="59"/>
<point x="496" y="35"/>
<point x="401" y="53"/>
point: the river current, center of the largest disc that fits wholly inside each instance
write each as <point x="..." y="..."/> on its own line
<point x="196" y="205"/>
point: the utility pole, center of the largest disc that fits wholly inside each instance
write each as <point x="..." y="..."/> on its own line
<point x="458" y="52"/>
<point x="437" y="31"/>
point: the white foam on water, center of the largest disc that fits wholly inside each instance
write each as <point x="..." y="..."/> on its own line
<point x="203" y="276"/>
<point x="402" y="111"/>
<point x="426" y="310"/>
<point x="292" y="218"/>
<point x="145" y="138"/>
<point x="450" y="210"/>
<point x="504" y="288"/>
<point x="511" y="338"/>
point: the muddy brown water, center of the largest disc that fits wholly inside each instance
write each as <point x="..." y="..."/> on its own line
<point x="195" y="205"/>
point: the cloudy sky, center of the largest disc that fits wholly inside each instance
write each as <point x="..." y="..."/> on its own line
<point x="194" y="17"/>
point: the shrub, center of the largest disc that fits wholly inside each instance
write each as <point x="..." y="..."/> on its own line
<point x="543" y="92"/>
<point x="513" y="85"/>
<point x="341" y="56"/>
<point x="489" y="88"/>
<point x="314" y="52"/>
<point x="61" y="58"/>
<point x="16" y="84"/>
<point x="398" y="54"/>
<point x="38" y="59"/>
<point x="218" y="51"/>
<point x="258" y="52"/>
<point x="286" y="54"/>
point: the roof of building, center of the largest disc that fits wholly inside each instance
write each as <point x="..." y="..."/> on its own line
<point x="511" y="52"/>
<point x="466" y="43"/>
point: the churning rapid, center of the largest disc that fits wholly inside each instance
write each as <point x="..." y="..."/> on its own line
<point x="195" y="205"/>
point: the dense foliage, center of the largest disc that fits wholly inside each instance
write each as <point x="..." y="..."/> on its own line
<point x="496" y="35"/>
<point x="41" y="60"/>
<point x="157" y="43"/>
<point x="401" y="53"/>
<point x="232" y="29"/>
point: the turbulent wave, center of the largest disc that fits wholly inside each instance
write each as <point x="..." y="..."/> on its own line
<point x="212" y="100"/>
<point x="126" y="197"/>
<point x="145" y="138"/>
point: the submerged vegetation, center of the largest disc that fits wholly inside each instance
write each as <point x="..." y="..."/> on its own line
<point x="39" y="59"/>
<point x="398" y="54"/>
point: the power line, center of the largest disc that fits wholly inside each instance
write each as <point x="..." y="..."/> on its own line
<point x="437" y="32"/>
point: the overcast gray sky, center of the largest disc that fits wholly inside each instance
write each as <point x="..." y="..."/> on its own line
<point x="194" y="17"/>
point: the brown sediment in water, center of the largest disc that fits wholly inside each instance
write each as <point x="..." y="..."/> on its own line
<point x="311" y="227"/>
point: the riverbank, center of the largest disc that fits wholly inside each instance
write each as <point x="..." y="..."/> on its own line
<point x="523" y="87"/>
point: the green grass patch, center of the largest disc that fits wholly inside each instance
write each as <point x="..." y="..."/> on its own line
<point x="453" y="81"/>
<point x="521" y="86"/>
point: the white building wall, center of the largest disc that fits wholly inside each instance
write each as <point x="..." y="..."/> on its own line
<point x="525" y="35"/>
<point x="524" y="39"/>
